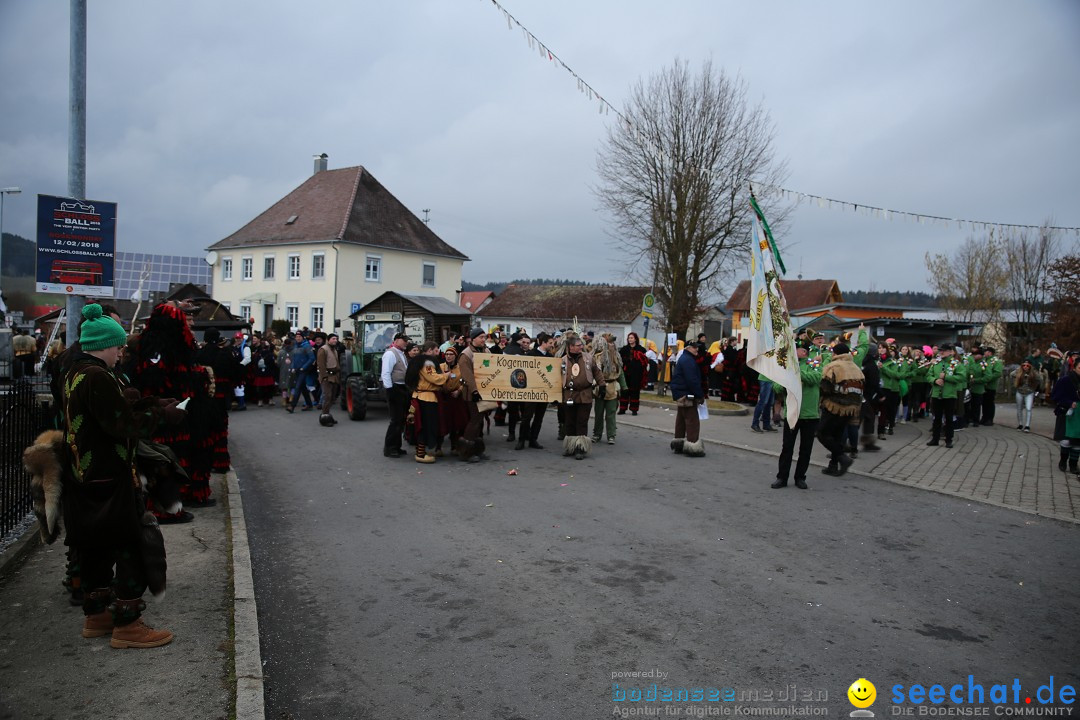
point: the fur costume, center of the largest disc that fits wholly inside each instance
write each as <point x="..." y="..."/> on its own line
<point x="574" y="444"/>
<point x="43" y="461"/>
<point x="678" y="445"/>
<point x="694" y="449"/>
<point x="842" y="386"/>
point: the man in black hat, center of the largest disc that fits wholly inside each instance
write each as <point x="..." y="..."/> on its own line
<point x="394" y="364"/>
<point x="518" y="345"/>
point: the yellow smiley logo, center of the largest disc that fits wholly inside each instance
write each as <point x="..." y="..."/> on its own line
<point x="862" y="693"/>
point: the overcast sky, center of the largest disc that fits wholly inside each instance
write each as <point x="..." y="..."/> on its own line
<point x="202" y="114"/>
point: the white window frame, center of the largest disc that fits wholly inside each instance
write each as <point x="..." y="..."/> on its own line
<point x="247" y="268"/>
<point x="292" y="314"/>
<point x="226" y="269"/>
<point x="321" y="309"/>
<point x="272" y="259"/>
<point x="317" y="259"/>
<point x="423" y="267"/>
<point x="368" y="276"/>
<point x="290" y="266"/>
<point x="245" y="311"/>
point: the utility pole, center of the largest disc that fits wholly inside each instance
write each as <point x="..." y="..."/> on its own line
<point x="426" y="218"/>
<point x="76" y="136"/>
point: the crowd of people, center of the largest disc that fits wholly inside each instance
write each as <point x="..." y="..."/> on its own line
<point x="853" y="396"/>
<point x="435" y="403"/>
<point x="142" y="420"/>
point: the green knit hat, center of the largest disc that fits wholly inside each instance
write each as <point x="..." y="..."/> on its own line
<point x="98" y="331"/>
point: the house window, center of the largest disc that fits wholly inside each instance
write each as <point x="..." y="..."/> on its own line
<point x="428" y="278"/>
<point x="226" y="269"/>
<point x="373" y="268"/>
<point x="245" y="311"/>
<point x="247" y="268"/>
<point x="294" y="267"/>
<point x="292" y="314"/>
<point x="318" y="266"/>
<point x="316" y="317"/>
<point x="227" y="306"/>
<point x="268" y="267"/>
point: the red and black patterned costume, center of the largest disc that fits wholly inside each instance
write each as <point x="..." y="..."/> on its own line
<point x="165" y="367"/>
<point x="636" y="366"/>
<point x="262" y="373"/>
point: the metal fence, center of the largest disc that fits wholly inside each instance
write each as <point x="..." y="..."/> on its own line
<point x="23" y="415"/>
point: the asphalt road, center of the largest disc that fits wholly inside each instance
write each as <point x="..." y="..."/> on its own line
<point x="390" y="589"/>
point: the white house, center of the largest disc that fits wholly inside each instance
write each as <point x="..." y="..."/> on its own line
<point x="327" y="248"/>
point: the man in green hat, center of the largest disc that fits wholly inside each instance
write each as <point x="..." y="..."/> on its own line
<point x="104" y="506"/>
<point x="947" y="378"/>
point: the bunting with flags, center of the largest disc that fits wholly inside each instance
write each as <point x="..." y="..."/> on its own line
<point x="770" y="341"/>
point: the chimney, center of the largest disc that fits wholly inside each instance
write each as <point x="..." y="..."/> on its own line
<point x="320" y="163"/>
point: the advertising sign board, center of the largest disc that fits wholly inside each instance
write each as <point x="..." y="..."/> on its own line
<point x="76" y="246"/>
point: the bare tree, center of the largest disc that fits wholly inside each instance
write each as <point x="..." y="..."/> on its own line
<point x="1028" y="257"/>
<point x="1063" y="287"/>
<point x="675" y="175"/>
<point x="970" y="282"/>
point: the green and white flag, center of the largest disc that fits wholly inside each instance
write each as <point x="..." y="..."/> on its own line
<point x="770" y="341"/>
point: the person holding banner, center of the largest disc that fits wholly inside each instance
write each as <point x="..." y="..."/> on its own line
<point x="532" y="413"/>
<point x="471" y="445"/>
<point x="582" y="380"/>
<point x="805" y="428"/>
<point x="688" y="392"/>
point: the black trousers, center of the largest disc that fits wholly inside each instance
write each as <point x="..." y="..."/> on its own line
<point x="804" y="430"/>
<point x="532" y="418"/>
<point x="831" y="433"/>
<point x="975" y="407"/>
<point x="943" y="408"/>
<point x="888" y="416"/>
<point x="576" y="417"/>
<point x="988" y="399"/>
<point x="398" y="402"/>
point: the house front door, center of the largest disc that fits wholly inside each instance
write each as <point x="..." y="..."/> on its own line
<point x="268" y="316"/>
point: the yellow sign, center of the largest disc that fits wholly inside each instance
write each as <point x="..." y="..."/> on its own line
<point x="518" y="378"/>
<point x="646" y="314"/>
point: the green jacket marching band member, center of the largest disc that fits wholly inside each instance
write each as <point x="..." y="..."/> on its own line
<point x="806" y="427"/>
<point x="947" y="379"/>
<point x="991" y="377"/>
<point x="892" y="372"/>
<point x="976" y="373"/>
<point x="582" y="381"/>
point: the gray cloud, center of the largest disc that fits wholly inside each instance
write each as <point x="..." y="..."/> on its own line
<point x="200" y="119"/>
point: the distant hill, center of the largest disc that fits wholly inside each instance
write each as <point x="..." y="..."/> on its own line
<point x="886" y="297"/>
<point x="497" y="286"/>
<point x="18" y="255"/>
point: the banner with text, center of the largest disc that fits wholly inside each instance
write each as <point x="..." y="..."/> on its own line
<point x="76" y="246"/>
<point x="518" y="378"/>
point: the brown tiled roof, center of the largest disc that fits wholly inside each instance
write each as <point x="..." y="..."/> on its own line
<point x="559" y="302"/>
<point x="348" y="205"/>
<point x="798" y="293"/>
<point x="472" y="299"/>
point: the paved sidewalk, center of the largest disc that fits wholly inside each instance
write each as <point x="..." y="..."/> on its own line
<point x="47" y="670"/>
<point x="996" y="465"/>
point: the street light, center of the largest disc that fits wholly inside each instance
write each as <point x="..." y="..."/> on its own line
<point x="4" y="192"/>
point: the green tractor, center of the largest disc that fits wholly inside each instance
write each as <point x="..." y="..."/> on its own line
<point x="363" y="364"/>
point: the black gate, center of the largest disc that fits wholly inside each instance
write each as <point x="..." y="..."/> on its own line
<point x="22" y="418"/>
